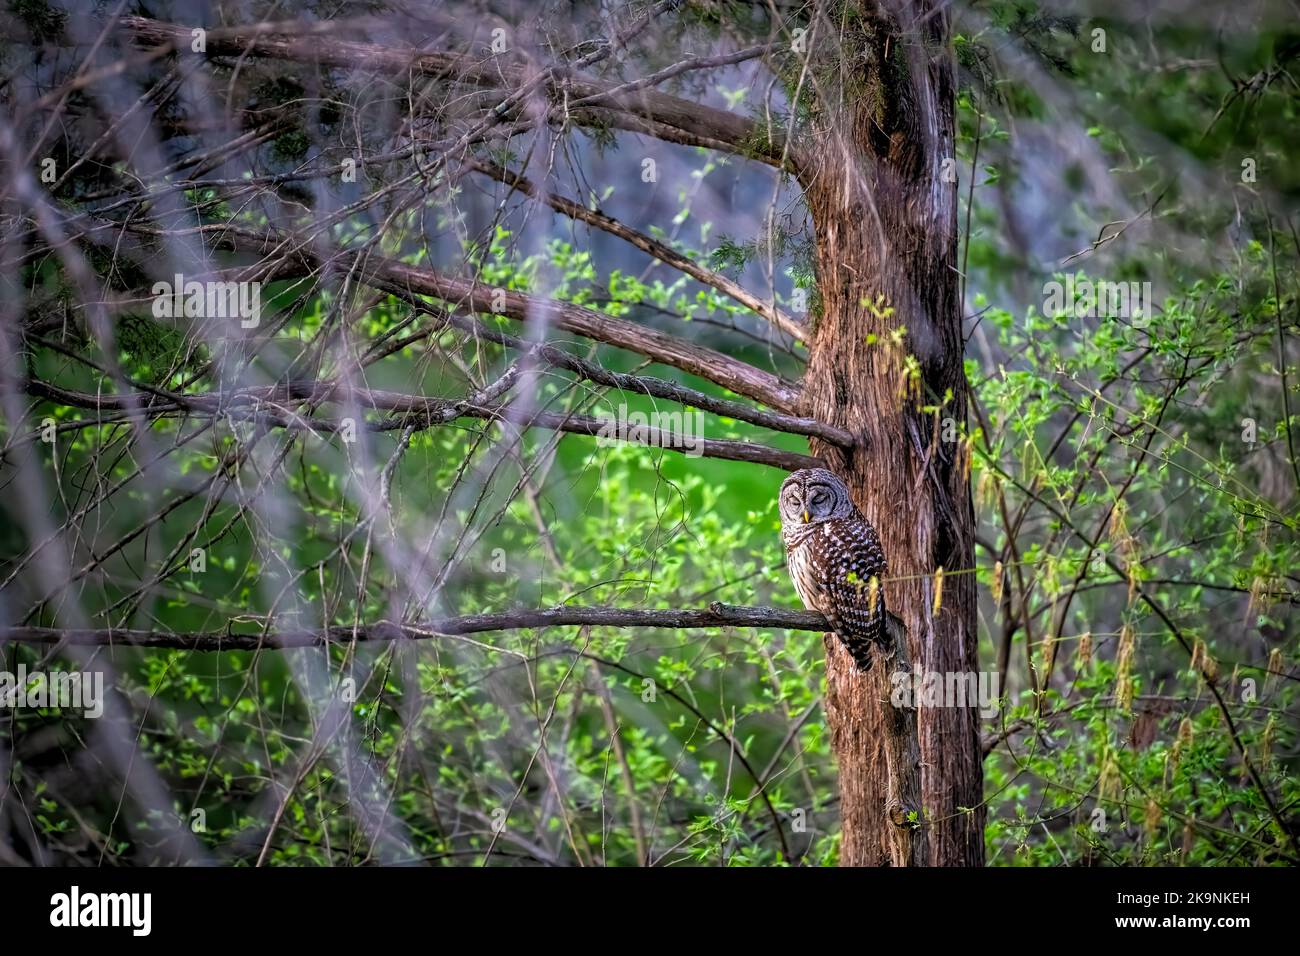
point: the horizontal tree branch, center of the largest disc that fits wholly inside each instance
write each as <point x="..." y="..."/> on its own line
<point x="740" y="377"/>
<point x="653" y="437"/>
<point x="658" y="387"/>
<point x="419" y="411"/>
<point x="714" y="616"/>
<point x="619" y="105"/>
<point x="408" y="283"/>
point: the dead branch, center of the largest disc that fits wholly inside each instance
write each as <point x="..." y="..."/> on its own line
<point x="714" y="616"/>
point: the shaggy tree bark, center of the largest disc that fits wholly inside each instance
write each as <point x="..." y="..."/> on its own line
<point x="887" y="260"/>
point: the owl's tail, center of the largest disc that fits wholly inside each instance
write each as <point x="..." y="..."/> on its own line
<point x="858" y="643"/>
<point x="859" y="649"/>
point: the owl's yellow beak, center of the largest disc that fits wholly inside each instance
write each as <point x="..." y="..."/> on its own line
<point x="805" y="516"/>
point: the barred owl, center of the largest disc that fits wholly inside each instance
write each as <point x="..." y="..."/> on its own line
<point x="834" y="555"/>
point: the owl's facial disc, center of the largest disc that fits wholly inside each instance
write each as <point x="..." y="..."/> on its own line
<point x="811" y="496"/>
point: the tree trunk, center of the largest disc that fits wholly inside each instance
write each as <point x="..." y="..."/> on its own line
<point x="887" y="260"/>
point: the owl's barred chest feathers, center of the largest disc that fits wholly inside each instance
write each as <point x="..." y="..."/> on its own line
<point x="837" y="551"/>
<point x="835" y="559"/>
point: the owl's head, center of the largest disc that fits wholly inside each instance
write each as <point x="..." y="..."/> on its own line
<point x="812" y="495"/>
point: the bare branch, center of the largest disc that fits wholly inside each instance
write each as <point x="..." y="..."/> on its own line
<point x="410" y="282"/>
<point x="741" y="377"/>
<point x="663" y="253"/>
<point x="635" y="109"/>
<point x="660" y="388"/>
<point x="714" y="616"/>
<point x="416" y="411"/>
